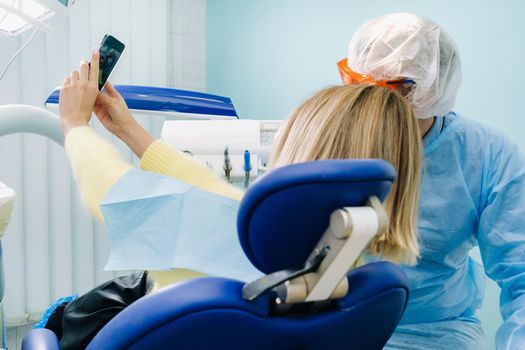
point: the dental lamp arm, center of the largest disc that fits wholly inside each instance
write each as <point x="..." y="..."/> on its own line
<point x="30" y="119"/>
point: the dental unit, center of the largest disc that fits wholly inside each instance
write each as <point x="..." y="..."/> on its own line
<point x="205" y="127"/>
<point x="309" y="274"/>
<point x="302" y="226"/>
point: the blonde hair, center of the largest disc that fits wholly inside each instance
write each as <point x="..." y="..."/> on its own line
<point x="363" y="121"/>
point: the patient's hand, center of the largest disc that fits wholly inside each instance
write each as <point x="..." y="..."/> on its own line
<point x="78" y="95"/>
<point x="113" y="113"/>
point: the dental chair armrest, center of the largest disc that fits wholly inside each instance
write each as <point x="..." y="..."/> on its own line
<point x="40" y="339"/>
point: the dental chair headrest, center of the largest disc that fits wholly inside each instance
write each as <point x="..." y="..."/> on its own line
<point x="284" y="214"/>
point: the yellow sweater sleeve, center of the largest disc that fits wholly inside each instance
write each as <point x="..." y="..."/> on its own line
<point x="160" y="158"/>
<point x="96" y="166"/>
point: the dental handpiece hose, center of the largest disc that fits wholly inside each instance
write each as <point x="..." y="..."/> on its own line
<point x="247" y="168"/>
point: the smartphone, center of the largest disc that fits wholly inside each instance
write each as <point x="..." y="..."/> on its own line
<point x="110" y="51"/>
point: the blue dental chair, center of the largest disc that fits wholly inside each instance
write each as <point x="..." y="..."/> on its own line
<point x="295" y="225"/>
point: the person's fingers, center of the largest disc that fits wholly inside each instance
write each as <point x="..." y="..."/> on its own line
<point x="84" y="71"/>
<point x="104" y="118"/>
<point x="75" y="75"/>
<point x="94" y="69"/>
<point x="101" y="97"/>
<point x="97" y="108"/>
<point x="66" y="81"/>
<point x="103" y="100"/>
<point x="111" y="90"/>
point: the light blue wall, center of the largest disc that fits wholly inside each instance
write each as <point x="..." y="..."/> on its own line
<point x="268" y="55"/>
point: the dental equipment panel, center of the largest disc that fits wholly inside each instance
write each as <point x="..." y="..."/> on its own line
<point x="173" y="103"/>
<point x="238" y="150"/>
<point x="206" y="127"/>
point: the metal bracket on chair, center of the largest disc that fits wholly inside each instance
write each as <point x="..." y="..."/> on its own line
<point x="350" y="232"/>
<point x="256" y="288"/>
<point x="323" y="276"/>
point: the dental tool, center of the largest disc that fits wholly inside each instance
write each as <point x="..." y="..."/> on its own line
<point x="227" y="164"/>
<point x="247" y="168"/>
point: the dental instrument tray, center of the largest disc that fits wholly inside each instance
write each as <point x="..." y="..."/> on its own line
<point x="180" y="104"/>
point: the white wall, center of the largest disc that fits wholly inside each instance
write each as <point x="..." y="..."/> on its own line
<point x="53" y="248"/>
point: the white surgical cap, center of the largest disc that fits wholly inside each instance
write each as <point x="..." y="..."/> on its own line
<point x="404" y="45"/>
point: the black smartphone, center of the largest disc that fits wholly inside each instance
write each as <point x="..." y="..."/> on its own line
<point x="110" y="51"/>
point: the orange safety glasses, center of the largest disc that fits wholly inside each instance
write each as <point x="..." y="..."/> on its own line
<point x="350" y="77"/>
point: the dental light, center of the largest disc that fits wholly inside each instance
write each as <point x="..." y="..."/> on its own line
<point x="17" y="16"/>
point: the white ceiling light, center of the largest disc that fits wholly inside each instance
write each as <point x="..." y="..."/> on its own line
<point x="16" y="16"/>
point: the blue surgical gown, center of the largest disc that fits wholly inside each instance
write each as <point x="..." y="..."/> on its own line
<point x="473" y="193"/>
